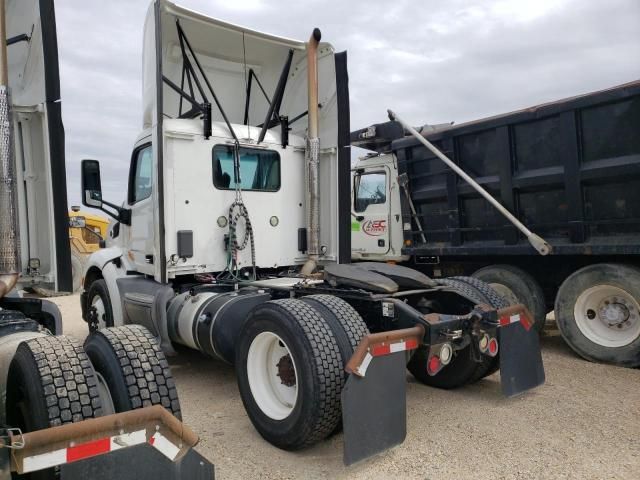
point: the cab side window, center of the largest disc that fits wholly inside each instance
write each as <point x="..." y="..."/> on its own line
<point x="140" y="177"/>
<point x="370" y="189"/>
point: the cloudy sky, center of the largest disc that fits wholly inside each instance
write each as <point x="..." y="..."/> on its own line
<point x="431" y="61"/>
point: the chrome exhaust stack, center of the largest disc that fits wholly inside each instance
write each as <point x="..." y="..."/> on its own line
<point x="9" y="235"/>
<point x="312" y="155"/>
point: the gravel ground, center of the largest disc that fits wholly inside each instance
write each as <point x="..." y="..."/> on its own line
<point x="584" y="423"/>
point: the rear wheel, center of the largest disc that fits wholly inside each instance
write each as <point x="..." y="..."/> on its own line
<point x="517" y="286"/>
<point x="289" y="371"/>
<point x="51" y="382"/>
<point x="463" y="369"/>
<point x="346" y="324"/>
<point x="598" y="313"/>
<point x="132" y="368"/>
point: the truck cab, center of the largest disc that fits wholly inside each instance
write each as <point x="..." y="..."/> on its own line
<point x="376" y="218"/>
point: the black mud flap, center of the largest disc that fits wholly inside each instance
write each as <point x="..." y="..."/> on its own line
<point x="520" y="359"/>
<point x="374" y="408"/>
<point x="142" y="462"/>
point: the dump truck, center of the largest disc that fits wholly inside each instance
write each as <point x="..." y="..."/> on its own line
<point x="234" y="240"/>
<point x="104" y="409"/>
<point x="570" y="169"/>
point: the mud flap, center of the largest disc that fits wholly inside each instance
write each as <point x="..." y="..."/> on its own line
<point x="520" y="359"/>
<point x="142" y="462"/>
<point x="374" y="411"/>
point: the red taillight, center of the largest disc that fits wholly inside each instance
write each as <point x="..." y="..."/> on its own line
<point x="434" y="365"/>
<point x="493" y="347"/>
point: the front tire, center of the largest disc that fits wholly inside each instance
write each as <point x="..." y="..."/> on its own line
<point x="598" y="313"/>
<point x="99" y="310"/>
<point x="289" y="371"/>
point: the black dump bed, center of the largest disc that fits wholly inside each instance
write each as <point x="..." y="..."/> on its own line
<point x="570" y="170"/>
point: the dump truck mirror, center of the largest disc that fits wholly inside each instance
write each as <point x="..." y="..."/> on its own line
<point x="91" y="186"/>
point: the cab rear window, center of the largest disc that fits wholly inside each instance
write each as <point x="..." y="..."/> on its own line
<point x="259" y="169"/>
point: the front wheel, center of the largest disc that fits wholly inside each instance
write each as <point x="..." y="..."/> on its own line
<point x="99" y="311"/>
<point x="289" y="373"/>
<point x="598" y="313"/>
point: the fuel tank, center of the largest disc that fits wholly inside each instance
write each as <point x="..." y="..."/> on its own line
<point x="211" y="321"/>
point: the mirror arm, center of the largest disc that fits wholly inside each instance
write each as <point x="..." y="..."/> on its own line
<point x="123" y="215"/>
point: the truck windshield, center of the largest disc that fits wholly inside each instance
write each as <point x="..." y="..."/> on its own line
<point x="370" y="188"/>
<point x="259" y="169"/>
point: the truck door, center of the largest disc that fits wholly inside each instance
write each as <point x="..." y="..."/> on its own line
<point x="140" y="200"/>
<point x="370" y="210"/>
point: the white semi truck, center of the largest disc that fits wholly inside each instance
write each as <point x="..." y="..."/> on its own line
<point x="107" y="408"/>
<point x="234" y="240"/>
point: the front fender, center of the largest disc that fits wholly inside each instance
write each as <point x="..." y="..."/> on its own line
<point x="104" y="262"/>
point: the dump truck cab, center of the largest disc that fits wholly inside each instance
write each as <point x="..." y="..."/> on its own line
<point x="377" y="223"/>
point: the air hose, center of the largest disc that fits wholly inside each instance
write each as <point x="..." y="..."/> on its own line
<point x="237" y="212"/>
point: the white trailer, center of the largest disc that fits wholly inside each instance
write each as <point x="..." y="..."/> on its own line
<point x="64" y="405"/>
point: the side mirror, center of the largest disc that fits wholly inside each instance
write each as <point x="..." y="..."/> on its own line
<point x="91" y="185"/>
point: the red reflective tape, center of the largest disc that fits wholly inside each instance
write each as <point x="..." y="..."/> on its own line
<point x="152" y="439"/>
<point x="89" y="449"/>
<point x="411" y="344"/>
<point x="505" y="321"/>
<point x="382" y="349"/>
<point x="526" y="323"/>
<point x="387" y="348"/>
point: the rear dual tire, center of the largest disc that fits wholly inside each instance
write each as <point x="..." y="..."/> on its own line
<point x="290" y="367"/>
<point x="463" y="369"/>
<point x="51" y="382"/>
<point x="136" y="373"/>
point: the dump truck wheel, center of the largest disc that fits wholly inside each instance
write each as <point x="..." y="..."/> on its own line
<point x="99" y="311"/>
<point x="130" y="362"/>
<point x="598" y="313"/>
<point x="289" y="371"/>
<point x="463" y="369"/>
<point x="517" y="286"/>
<point x="51" y="382"/>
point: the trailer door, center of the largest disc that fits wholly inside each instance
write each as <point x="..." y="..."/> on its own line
<point x="370" y="210"/>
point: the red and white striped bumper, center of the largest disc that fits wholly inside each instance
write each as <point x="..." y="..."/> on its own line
<point x="82" y="451"/>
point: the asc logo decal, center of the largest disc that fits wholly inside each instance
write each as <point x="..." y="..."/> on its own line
<point x="375" y="228"/>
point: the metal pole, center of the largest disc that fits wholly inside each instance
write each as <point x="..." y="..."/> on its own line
<point x="535" y="240"/>
<point x="312" y="157"/>
<point x="9" y="238"/>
